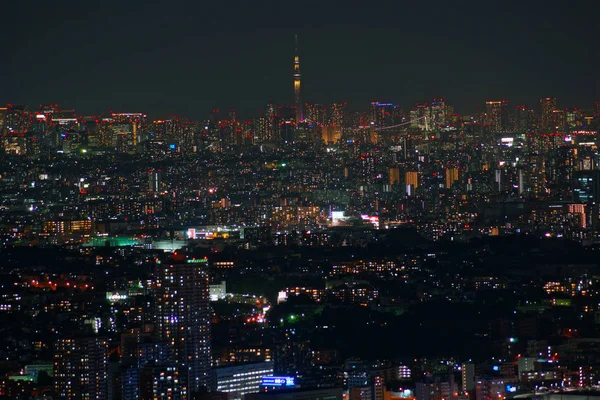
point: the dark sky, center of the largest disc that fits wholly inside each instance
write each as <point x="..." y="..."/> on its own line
<point x="188" y="57"/>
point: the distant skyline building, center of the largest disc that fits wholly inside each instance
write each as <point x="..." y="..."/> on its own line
<point x="547" y="106"/>
<point x="523" y="117"/>
<point x="496" y="115"/>
<point x="297" y="87"/>
<point x="154" y="180"/>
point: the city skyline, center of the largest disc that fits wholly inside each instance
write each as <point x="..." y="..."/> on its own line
<point x="300" y="200"/>
<point x="466" y="54"/>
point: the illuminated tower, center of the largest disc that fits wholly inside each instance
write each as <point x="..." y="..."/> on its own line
<point x="297" y="76"/>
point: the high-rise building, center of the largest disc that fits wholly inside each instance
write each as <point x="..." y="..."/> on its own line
<point x="451" y="177"/>
<point x="412" y="178"/>
<point x="183" y="316"/>
<point x="586" y="186"/>
<point x="523" y="118"/>
<point x="316" y="114"/>
<point x="496" y="115"/>
<point x="559" y="120"/>
<point x="438" y="112"/>
<point x="164" y="383"/>
<point x="336" y="114"/>
<point x="468" y="377"/>
<point x="154" y="180"/>
<point x="547" y="106"/>
<point x="394" y="175"/>
<point x="81" y="368"/>
<point x="297" y="88"/>
<point x="420" y="117"/>
<point x="130" y="126"/>
<point x="383" y="114"/>
<point x="331" y="134"/>
<point x="3" y="119"/>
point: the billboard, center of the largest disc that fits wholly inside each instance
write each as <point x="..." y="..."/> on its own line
<point x="278" y="381"/>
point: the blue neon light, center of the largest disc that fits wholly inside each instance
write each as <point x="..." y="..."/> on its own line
<point x="278" y="381"/>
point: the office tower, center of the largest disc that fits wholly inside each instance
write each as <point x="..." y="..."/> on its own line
<point x="271" y="111"/>
<point x="3" y="119"/>
<point x="451" y="117"/>
<point x="451" y="177"/>
<point x="261" y="130"/>
<point x="412" y="178"/>
<point x="496" y="115"/>
<point x="316" y="114"/>
<point x="271" y="116"/>
<point x="232" y="114"/>
<point x="297" y="88"/>
<point x="547" y="106"/>
<point x="586" y="186"/>
<point x="420" y="117"/>
<point x="523" y="118"/>
<point x="394" y="176"/>
<point x="383" y="114"/>
<point x="81" y="368"/>
<point x="558" y="120"/>
<point x="183" y="316"/>
<point x="438" y="112"/>
<point x="574" y="119"/>
<point x="18" y="119"/>
<point x="130" y="126"/>
<point x="239" y="380"/>
<point x="331" y="134"/>
<point x="468" y="377"/>
<point x="154" y="180"/>
<point x="336" y="114"/>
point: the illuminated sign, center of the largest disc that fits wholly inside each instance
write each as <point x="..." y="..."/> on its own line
<point x="115" y="296"/>
<point x="64" y="121"/>
<point x="373" y="219"/>
<point x="511" y="389"/>
<point x="281" y="297"/>
<point x="197" y="261"/>
<point x="278" y="381"/>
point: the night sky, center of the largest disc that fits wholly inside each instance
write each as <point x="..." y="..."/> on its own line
<point x="164" y="57"/>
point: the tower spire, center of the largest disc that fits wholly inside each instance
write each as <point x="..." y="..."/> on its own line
<point x="297" y="79"/>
